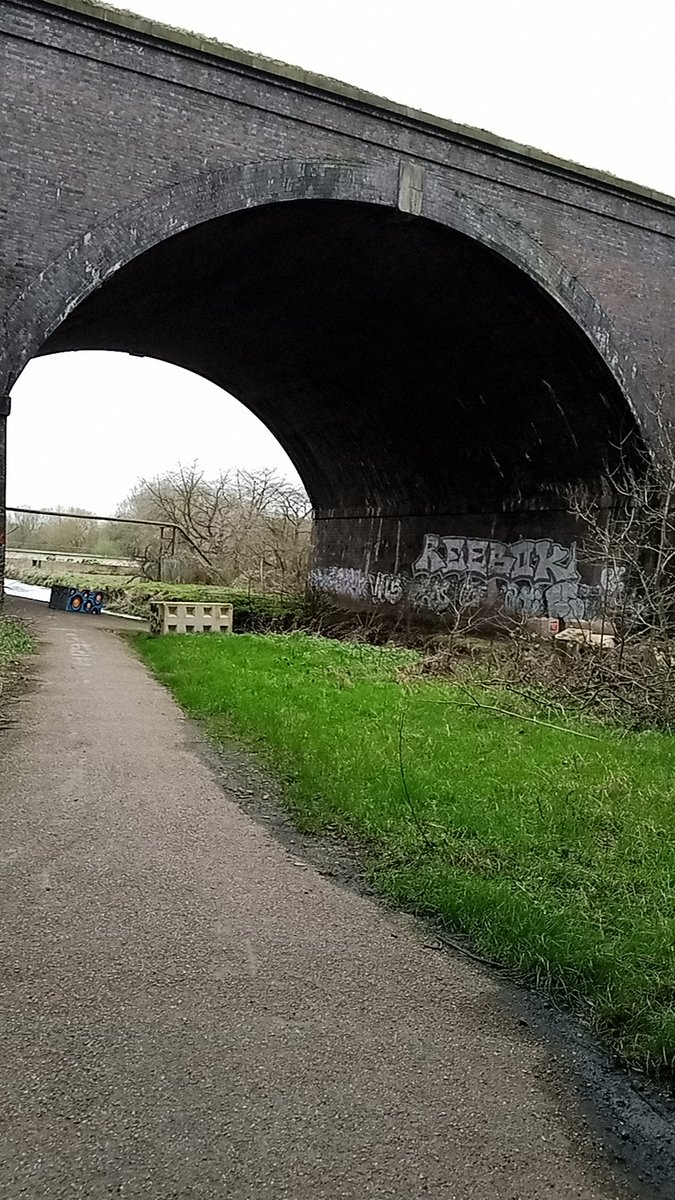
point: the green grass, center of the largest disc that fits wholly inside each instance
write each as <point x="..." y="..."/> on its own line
<point x="133" y="595"/>
<point x="553" y="852"/>
<point x="15" y="642"/>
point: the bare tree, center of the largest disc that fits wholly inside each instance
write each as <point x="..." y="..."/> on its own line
<point x="630" y="534"/>
<point x="25" y="530"/>
<point x="253" y="527"/>
<point x="55" y="534"/>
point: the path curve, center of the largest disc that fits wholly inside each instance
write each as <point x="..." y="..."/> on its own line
<point x="190" y="1011"/>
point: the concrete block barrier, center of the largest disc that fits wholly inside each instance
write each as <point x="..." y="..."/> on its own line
<point x="179" y="617"/>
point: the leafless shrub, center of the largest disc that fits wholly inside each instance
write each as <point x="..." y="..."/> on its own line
<point x="637" y="693"/>
<point x="632" y="535"/>
<point x="636" y="690"/>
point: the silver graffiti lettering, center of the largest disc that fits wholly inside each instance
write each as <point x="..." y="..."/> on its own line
<point x="386" y="589"/>
<point x="348" y="582"/>
<point x="531" y="576"/>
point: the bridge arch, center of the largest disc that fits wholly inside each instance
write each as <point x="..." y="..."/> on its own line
<point x="84" y="265"/>
<point x="422" y="369"/>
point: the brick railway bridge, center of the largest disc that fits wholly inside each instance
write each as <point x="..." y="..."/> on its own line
<point x="443" y="329"/>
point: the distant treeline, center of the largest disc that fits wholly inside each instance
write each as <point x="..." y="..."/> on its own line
<point x="243" y="529"/>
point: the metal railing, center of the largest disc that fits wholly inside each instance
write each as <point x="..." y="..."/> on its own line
<point x="172" y="526"/>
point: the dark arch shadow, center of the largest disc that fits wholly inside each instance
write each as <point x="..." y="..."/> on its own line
<point x="433" y="364"/>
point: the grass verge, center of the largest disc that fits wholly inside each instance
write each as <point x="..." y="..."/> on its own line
<point x="552" y="848"/>
<point x="16" y="641"/>
<point x="132" y="595"/>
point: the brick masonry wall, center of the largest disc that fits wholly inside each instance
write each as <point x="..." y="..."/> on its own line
<point x="96" y="119"/>
<point x="113" y="138"/>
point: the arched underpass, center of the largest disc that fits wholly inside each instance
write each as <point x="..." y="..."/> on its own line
<point x="435" y="400"/>
<point x="443" y="328"/>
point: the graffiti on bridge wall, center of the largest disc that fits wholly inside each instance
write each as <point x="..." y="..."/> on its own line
<point x="385" y="588"/>
<point x="353" y="584"/>
<point x="348" y="582"/>
<point x="532" y="577"/>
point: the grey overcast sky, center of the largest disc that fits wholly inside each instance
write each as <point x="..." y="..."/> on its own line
<point x="590" y="80"/>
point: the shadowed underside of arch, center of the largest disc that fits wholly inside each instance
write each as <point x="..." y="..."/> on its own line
<point x="405" y="367"/>
<point x="437" y="379"/>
